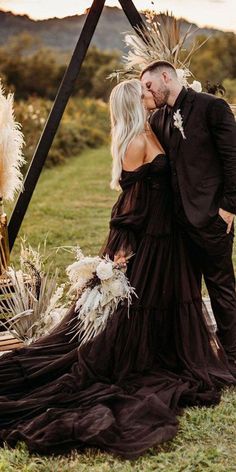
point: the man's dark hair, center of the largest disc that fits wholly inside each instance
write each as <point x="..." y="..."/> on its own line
<point x="155" y="65"/>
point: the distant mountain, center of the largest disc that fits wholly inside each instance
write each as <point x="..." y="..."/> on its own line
<point x="62" y="33"/>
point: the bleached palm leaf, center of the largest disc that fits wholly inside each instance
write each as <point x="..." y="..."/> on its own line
<point x="28" y="306"/>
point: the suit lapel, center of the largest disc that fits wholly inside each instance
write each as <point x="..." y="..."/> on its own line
<point x="185" y="112"/>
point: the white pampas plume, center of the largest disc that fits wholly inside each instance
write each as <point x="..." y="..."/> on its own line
<point x="11" y="143"/>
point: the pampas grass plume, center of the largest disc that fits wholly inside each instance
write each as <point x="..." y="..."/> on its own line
<point x="11" y="144"/>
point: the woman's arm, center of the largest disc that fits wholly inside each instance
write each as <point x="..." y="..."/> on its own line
<point x="128" y="220"/>
<point x="134" y="158"/>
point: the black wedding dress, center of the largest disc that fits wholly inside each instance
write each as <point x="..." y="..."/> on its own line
<point x="122" y="391"/>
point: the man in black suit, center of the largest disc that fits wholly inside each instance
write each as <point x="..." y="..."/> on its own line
<point x="200" y="141"/>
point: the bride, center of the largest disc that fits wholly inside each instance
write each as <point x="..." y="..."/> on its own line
<point x="121" y="391"/>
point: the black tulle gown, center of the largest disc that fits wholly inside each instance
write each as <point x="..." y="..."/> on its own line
<point x="122" y="391"/>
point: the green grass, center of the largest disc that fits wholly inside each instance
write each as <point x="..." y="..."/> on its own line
<point x="205" y="443"/>
<point x="70" y="206"/>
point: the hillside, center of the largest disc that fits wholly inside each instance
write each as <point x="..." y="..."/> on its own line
<point x="62" y="34"/>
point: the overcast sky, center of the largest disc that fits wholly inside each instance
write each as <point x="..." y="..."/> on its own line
<point x="217" y="13"/>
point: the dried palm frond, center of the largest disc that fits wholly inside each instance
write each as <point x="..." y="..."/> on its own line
<point x="30" y="297"/>
<point x="11" y="143"/>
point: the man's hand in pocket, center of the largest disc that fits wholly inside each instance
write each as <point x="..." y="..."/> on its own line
<point x="227" y="217"/>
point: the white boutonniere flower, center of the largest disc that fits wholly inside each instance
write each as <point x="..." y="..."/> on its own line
<point x="178" y="122"/>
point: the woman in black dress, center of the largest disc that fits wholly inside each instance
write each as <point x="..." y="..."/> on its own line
<point x="121" y="391"/>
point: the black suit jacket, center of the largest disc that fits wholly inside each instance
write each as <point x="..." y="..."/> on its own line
<point x="205" y="161"/>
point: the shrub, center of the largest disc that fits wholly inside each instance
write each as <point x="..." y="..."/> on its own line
<point x="84" y="124"/>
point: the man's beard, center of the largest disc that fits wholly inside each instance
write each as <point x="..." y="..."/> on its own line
<point x="161" y="98"/>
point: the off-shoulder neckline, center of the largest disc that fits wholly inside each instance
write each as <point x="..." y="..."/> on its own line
<point x="161" y="154"/>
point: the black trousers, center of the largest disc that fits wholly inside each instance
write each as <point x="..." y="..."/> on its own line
<point x="210" y="249"/>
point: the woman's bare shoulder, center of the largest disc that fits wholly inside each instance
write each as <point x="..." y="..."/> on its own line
<point x="135" y="153"/>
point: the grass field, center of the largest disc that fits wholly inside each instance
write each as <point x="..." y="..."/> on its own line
<point x="71" y="205"/>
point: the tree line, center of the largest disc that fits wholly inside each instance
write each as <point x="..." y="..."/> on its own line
<point x="29" y="69"/>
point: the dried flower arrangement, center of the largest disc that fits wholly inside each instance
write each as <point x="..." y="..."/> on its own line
<point x="160" y="39"/>
<point x="33" y="302"/>
<point x="30" y="297"/>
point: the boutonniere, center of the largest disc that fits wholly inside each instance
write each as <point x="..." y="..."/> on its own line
<point x="178" y="122"/>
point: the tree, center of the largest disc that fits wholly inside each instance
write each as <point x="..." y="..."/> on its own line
<point x="90" y="72"/>
<point x="230" y="87"/>
<point x="216" y="60"/>
<point x="101" y="85"/>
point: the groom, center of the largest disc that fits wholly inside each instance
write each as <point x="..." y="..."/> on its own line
<point x="200" y="140"/>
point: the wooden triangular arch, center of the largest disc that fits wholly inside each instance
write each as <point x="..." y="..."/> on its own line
<point x="62" y="97"/>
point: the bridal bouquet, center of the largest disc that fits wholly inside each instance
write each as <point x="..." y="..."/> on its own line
<point x="100" y="285"/>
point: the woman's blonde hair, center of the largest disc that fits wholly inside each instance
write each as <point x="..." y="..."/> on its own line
<point x="128" y="119"/>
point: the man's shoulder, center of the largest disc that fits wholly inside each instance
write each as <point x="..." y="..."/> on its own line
<point x="206" y="99"/>
<point x="211" y="105"/>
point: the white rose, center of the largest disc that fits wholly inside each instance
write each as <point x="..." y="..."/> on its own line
<point x="196" y="85"/>
<point x="104" y="270"/>
<point x="82" y="269"/>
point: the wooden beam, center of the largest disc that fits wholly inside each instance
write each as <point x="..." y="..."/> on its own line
<point x="132" y="13"/>
<point x="54" y="119"/>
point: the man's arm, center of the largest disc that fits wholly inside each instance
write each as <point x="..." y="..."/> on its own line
<point x="223" y="128"/>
